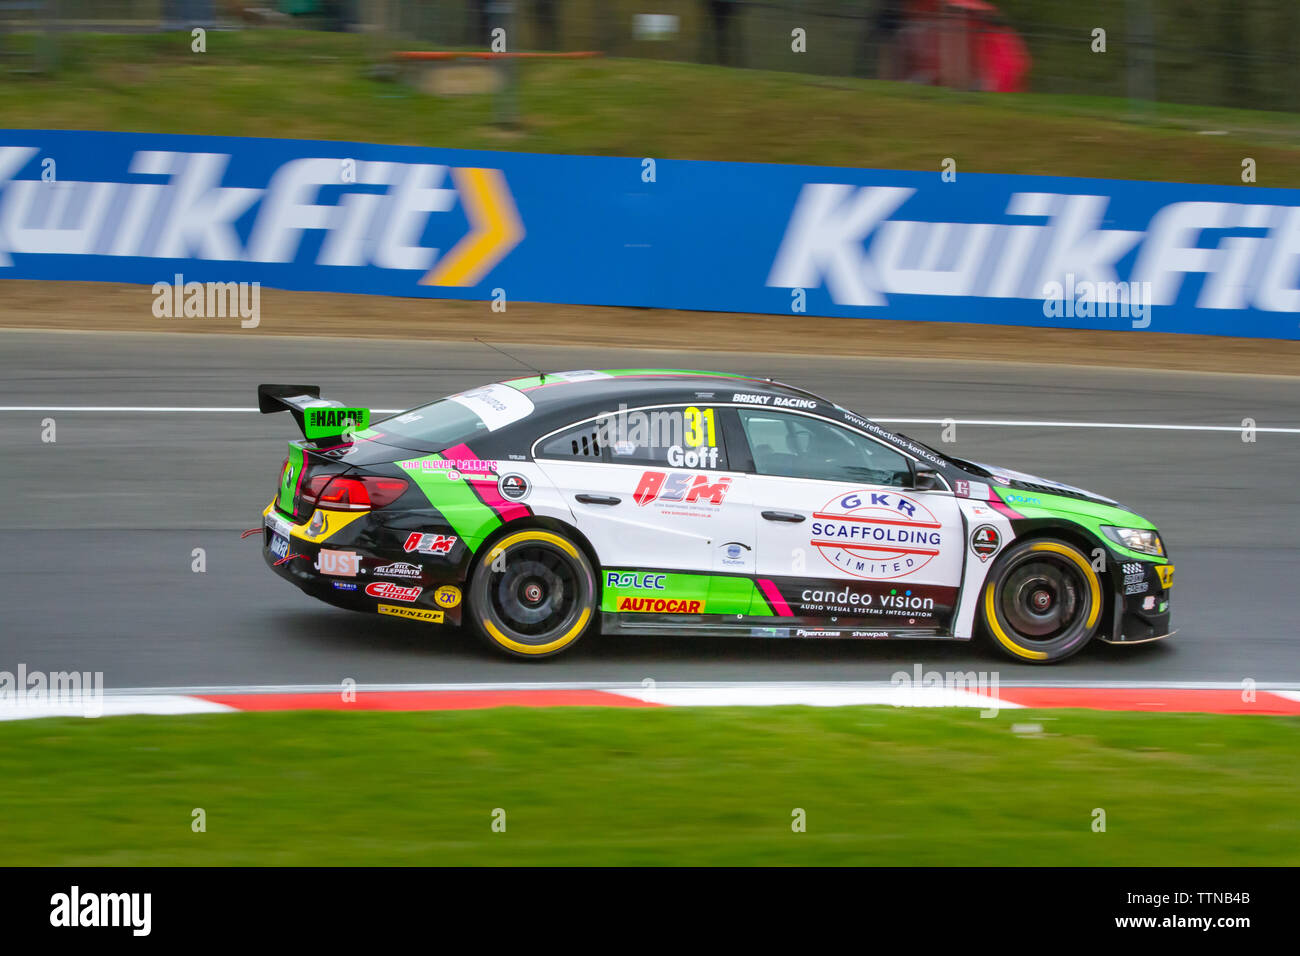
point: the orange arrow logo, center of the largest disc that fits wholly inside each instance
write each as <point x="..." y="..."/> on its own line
<point x="494" y="229"/>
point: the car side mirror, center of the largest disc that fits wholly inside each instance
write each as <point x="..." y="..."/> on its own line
<point x="926" y="480"/>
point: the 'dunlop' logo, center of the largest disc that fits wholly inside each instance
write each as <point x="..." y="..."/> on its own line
<point x="876" y="534"/>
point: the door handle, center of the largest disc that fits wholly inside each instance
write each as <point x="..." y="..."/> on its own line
<point x="783" y="516"/>
<point x="598" y="499"/>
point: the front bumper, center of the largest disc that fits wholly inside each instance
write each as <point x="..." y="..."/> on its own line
<point x="1142" y="604"/>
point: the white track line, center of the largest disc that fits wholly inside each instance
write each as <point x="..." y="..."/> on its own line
<point x="650" y="684"/>
<point x="110" y="705"/>
<point x="190" y="700"/>
<point x="812" y="695"/>
<point x="994" y="422"/>
<point x="1052" y="424"/>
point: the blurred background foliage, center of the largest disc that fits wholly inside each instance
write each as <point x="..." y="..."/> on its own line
<point x="1233" y="53"/>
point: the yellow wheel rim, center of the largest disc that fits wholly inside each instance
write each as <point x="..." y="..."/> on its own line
<point x="990" y="604"/>
<point x="572" y="633"/>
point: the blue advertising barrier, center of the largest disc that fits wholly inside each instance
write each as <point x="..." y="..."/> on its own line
<point x="733" y="237"/>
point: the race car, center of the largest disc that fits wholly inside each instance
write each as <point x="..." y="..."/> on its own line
<point x="652" y="501"/>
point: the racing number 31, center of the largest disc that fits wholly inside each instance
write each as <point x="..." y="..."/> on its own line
<point x="697" y="423"/>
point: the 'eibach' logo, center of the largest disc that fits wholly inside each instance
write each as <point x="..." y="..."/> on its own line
<point x="429" y="543"/>
<point x="876" y="534"/>
<point x="392" y="592"/>
<point x="679" y="486"/>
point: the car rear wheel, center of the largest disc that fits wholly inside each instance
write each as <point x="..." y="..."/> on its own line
<point x="533" y="594"/>
<point x="1042" y="601"/>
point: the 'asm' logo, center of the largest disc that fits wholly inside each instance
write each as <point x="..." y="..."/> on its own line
<point x="679" y="486"/>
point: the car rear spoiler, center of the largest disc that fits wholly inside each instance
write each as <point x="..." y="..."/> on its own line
<point x="298" y="400"/>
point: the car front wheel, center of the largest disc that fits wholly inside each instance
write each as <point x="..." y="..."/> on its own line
<point x="533" y="594"/>
<point x="1042" y="601"/>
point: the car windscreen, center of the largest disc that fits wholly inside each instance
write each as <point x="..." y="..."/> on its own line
<point x="457" y="419"/>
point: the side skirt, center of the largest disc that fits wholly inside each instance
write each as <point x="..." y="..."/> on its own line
<point x="697" y="625"/>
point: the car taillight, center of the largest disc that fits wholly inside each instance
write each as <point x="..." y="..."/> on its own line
<point x="337" y="493"/>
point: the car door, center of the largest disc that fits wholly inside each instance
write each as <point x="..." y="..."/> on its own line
<point x="652" y="491"/>
<point x="844" y="540"/>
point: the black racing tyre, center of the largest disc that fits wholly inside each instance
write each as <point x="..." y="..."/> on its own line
<point x="1042" y="601"/>
<point x="533" y="594"/>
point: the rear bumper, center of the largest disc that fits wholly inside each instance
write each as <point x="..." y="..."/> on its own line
<point x="424" y="595"/>
<point x="300" y="570"/>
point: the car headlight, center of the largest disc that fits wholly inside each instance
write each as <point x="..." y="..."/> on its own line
<point x="1136" y="539"/>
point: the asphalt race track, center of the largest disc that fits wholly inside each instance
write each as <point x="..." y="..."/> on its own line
<point x="99" y="526"/>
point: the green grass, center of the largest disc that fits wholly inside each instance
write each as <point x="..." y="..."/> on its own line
<point x="649" y="786"/>
<point x="315" y="86"/>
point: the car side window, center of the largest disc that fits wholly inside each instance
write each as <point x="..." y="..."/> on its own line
<point x="682" y="436"/>
<point x="797" y="446"/>
<point x="585" y="442"/>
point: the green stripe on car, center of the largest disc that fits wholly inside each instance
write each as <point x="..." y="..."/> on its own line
<point x="290" y="477"/>
<point x="454" y="498"/>
<point x="721" y="594"/>
<point x="1091" y="515"/>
